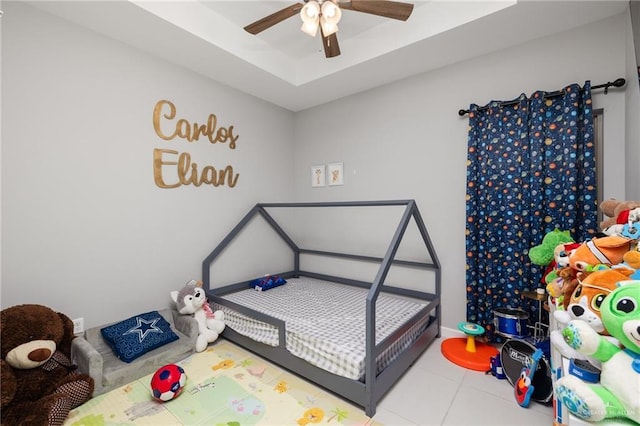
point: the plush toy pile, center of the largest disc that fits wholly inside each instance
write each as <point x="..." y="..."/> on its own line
<point x="619" y="214"/>
<point x="39" y="383"/>
<point x="618" y="393"/>
<point x="595" y="287"/>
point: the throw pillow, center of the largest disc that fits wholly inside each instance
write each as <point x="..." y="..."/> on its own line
<point x="138" y="335"/>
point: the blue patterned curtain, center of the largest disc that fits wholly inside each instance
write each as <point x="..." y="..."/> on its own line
<point x="530" y="169"/>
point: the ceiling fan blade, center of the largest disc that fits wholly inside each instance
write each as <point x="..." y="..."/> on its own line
<point x="386" y="8"/>
<point x="330" y="43"/>
<point x="275" y="18"/>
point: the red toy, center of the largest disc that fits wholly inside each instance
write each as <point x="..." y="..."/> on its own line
<point x="465" y="351"/>
<point x="167" y="382"/>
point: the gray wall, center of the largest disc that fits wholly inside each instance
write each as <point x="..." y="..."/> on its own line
<point x="406" y="140"/>
<point x="634" y="14"/>
<point x="632" y="152"/>
<point x="86" y="231"/>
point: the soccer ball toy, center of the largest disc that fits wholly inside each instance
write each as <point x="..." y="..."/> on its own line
<point x="168" y="382"/>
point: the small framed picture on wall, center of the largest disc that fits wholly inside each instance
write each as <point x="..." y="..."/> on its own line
<point x="318" y="176"/>
<point x="335" y="173"/>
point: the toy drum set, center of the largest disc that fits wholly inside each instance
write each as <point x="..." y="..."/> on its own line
<point x="516" y="353"/>
<point x="511" y="323"/>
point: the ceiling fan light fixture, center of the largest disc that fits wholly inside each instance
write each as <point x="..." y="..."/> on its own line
<point x="310" y="11"/>
<point x="310" y="27"/>
<point x="325" y="14"/>
<point x="328" y="28"/>
<point x="331" y="11"/>
<point x="330" y="17"/>
<point x="310" y="15"/>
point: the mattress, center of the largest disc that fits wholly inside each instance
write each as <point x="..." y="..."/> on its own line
<point x="325" y="322"/>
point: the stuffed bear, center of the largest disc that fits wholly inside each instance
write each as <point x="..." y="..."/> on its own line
<point x="562" y="286"/>
<point x="192" y="300"/>
<point x="40" y="385"/>
<point x="617" y="214"/>
<point x="618" y="393"/>
<point x="562" y="279"/>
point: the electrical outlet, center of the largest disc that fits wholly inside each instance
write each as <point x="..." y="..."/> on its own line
<point x="78" y="326"/>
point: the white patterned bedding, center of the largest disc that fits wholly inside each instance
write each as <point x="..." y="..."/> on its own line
<point x="325" y="322"/>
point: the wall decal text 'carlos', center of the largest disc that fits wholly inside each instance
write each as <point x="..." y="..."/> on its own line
<point x="186" y="172"/>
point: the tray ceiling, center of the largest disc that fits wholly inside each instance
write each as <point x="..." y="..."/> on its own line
<point x="284" y="66"/>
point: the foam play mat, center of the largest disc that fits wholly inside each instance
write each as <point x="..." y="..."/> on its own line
<point x="226" y="385"/>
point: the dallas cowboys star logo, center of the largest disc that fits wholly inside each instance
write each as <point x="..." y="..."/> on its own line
<point x="143" y="328"/>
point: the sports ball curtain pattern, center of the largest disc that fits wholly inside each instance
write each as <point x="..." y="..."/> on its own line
<point x="530" y="169"/>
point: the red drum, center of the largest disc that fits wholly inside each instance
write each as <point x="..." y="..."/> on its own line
<point x="511" y="323"/>
<point x="516" y="354"/>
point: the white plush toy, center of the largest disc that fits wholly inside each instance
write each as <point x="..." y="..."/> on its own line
<point x="191" y="299"/>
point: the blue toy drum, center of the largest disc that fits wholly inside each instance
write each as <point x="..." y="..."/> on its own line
<point x="511" y="323"/>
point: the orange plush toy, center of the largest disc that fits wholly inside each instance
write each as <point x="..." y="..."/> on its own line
<point x="584" y="303"/>
<point x="632" y="258"/>
<point x="608" y="251"/>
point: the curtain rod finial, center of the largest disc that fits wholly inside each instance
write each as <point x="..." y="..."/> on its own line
<point x="462" y="112"/>
<point x="619" y="82"/>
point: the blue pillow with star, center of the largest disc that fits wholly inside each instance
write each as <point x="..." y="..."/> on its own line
<point x="138" y="335"/>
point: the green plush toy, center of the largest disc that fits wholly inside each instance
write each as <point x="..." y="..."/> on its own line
<point x="544" y="253"/>
<point x="618" y="393"/>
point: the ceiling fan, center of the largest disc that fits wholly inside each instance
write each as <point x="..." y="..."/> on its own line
<point x="325" y="14"/>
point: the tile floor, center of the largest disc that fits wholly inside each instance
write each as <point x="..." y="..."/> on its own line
<point x="437" y="392"/>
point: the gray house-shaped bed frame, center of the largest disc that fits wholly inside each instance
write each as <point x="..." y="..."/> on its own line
<point x="372" y="388"/>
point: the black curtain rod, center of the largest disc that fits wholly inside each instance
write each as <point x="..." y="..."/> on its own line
<point x="618" y="83"/>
